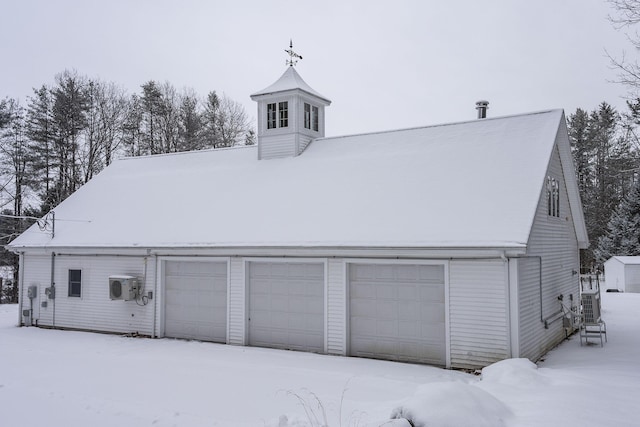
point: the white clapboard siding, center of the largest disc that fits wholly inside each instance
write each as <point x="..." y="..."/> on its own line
<point x="303" y="141"/>
<point x="278" y="145"/>
<point x="478" y="301"/>
<point x="336" y="307"/>
<point x="37" y="272"/>
<point x="554" y="240"/>
<point x="93" y="310"/>
<point x="237" y="302"/>
<point x="531" y="334"/>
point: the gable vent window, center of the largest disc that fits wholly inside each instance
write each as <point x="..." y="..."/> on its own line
<point x="553" y="197"/>
<point x="75" y="283"/>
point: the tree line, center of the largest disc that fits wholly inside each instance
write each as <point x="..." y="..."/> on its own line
<point x="606" y="156"/>
<point x="70" y="130"/>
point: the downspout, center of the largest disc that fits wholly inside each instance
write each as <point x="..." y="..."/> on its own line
<point x="20" y="285"/>
<point x="540" y="286"/>
<point x="155" y="295"/>
<point x="53" y="286"/>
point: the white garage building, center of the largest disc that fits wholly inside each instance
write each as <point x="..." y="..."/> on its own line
<point x="449" y="245"/>
<point x="622" y="273"/>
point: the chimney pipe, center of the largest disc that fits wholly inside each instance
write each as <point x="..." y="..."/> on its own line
<point x="482" y="107"/>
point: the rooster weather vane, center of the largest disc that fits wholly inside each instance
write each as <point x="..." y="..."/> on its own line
<point x="293" y="57"/>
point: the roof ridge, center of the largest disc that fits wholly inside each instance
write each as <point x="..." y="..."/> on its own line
<point x="442" y="124"/>
<point x="179" y="153"/>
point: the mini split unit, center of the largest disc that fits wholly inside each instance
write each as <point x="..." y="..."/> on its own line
<point x="123" y="288"/>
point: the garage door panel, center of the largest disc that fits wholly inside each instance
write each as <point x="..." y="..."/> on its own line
<point x="431" y="274"/>
<point x="408" y="292"/>
<point x="408" y="330"/>
<point x="386" y="310"/>
<point x="279" y="320"/>
<point x="397" y="312"/>
<point x="432" y="293"/>
<point x="196" y="300"/>
<point x="384" y="272"/>
<point x="362" y="290"/>
<point x="386" y="328"/>
<point x="431" y="314"/>
<point x="432" y="333"/>
<point x="407" y="274"/>
<point x="410" y="310"/>
<point x="286" y="305"/>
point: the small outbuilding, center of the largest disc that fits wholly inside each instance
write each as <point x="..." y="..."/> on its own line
<point x="454" y="245"/>
<point x="622" y="273"/>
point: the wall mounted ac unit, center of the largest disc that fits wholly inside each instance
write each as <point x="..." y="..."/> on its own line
<point x="123" y="287"/>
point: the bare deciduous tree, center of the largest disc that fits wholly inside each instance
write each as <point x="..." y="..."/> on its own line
<point x="626" y="17"/>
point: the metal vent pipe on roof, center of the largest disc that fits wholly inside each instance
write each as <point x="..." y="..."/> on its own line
<point x="482" y="107"/>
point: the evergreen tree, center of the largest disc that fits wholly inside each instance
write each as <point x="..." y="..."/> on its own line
<point x="151" y="105"/>
<point x="606" y="163"/>
<point x="132" y="128"/>
<point x="41" y="132"/>
<point x="210" y="118"/>
<point x="190" y="123"/>
<point x="169" y="118"/>
<point x="70" y="105"/>
<point x="623" y="230"/>
<point x="582" y="147"/>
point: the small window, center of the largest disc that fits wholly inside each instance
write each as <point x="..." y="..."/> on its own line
<point x="75" y="283"/>
<point x="310" y="117"/>
<point x="553" y="197"/>
<point x="283" y="108"/>
<point x="307" y="116"/>
<point x="314" y="118"/>
<point x="271" y="116"/>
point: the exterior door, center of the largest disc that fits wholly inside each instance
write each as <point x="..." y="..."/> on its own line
<point x="397" y="312"/>
<point x="196" y="300"/>
<point x="286" y="305"/>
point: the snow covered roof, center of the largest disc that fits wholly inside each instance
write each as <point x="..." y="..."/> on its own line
<point x="290" y="80"/>
<point x="472" y="184"/>
<point x="627" y="260"/>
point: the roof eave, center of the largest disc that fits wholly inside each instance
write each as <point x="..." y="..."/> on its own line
<point x="259" y="95"/>
<point x="344" y="251"/>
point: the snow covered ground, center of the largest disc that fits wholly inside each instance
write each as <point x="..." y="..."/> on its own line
<point x="63" y="378"/>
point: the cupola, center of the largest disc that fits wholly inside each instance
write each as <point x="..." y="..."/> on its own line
<point x="290" y="114"/>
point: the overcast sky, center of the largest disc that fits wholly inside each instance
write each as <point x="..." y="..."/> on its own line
<point x="384" y="64"/>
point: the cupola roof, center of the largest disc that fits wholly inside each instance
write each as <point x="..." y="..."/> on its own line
<point x="290" y="80"/>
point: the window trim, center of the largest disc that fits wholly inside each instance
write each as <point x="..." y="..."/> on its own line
<point x="283" y="114"/>
<point x="315" y="117"/>
<point x="311" y="117"/>
<point x="71" y="283"/>
<point x="307" y="115"/>
<point x="272" y="115"/>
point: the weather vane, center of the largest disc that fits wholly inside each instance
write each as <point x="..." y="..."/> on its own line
<point x="293" y="57"/>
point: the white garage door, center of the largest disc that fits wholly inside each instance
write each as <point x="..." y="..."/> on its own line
<point x="196" y="300"/>
<point x="286" y="305"/>
<point x="632" y="278"/>
<point x="397" y="312"/>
